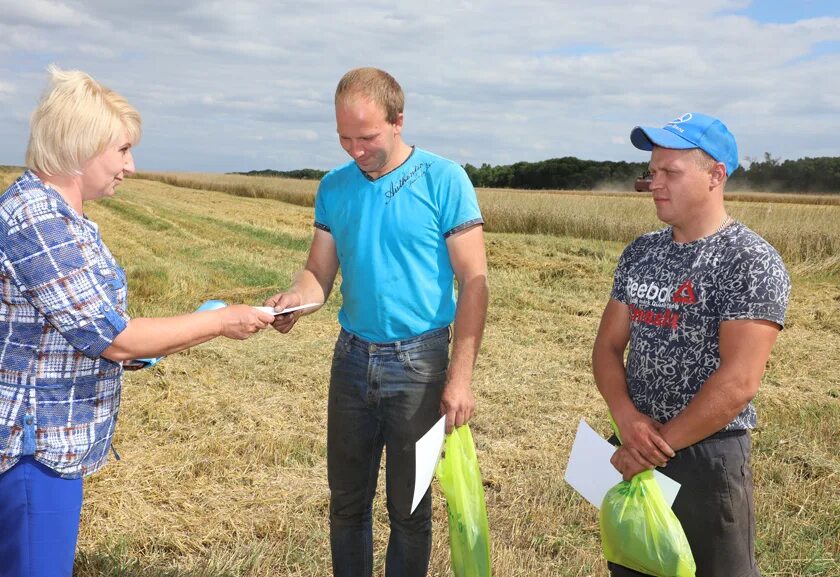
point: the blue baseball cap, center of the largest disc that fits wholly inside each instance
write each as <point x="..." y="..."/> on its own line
<point x="691" y="130"/>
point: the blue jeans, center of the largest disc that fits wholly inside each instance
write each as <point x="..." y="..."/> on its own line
<point x="381" y="395"/>
<point x="39" y="521"/>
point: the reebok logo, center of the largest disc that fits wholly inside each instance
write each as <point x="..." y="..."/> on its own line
<point x="653" y="293"/>
<point x="656" y="305"/>
<point x="685" y="294"/>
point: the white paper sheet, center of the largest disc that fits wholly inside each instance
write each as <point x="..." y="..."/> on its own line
<point x="591" y="474"/>
<point x="426" y="456"/>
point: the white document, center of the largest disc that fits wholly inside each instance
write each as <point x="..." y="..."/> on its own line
<point x="271" y="311"/>
<point x="426" y="456"/>
<point x="591" y="474"/>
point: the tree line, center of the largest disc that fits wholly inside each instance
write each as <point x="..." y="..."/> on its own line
<point x="821" y="174"/>
<point x="805" y="175"/>
<point x="567" y="173"/>
<point x="301" y="173"/>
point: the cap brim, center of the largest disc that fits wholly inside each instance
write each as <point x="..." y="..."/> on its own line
<point x="645" y="138"/>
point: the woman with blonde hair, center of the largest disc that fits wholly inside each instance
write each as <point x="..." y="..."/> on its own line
<point x="64" y="329"/>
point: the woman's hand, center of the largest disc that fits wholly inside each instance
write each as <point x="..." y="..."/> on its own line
<point x="241" y="321"/>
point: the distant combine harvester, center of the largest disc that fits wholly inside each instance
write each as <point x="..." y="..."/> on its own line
<point x="642" y="183"/>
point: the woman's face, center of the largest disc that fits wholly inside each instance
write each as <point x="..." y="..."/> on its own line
<point x="102" y="173"/>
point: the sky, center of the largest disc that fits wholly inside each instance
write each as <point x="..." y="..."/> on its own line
<point x="235" y="86"/>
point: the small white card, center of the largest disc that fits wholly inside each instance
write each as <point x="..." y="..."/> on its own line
<point x="271" y="311"/>
<point x="591" y="474"/>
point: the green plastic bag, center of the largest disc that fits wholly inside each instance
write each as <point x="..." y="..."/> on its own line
<point x="460" y="479"/>
<point x="640" y="531"/>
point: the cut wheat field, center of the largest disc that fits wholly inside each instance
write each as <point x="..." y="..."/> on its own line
<point x="223" y="447"/>
<point x="803" y="227"/>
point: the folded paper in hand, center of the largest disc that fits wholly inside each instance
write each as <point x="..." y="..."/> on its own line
<point x="591" y="474"/>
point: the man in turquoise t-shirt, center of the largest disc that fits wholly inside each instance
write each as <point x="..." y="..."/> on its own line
<point x="402" y="224"/>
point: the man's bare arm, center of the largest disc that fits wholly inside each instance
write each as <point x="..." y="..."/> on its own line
<point x="643" y="447"/>
<point x="745" y="346"/>
<point x="466" y="253"/>
<point x="312" y="284"/>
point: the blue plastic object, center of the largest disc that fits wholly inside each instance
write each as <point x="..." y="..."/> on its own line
<point x="211" y="305"/>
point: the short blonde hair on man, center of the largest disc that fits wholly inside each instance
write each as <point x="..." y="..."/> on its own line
<point x="376" y="85"/>
<point x="77" y="119"/>
<point x="703" y="160"/>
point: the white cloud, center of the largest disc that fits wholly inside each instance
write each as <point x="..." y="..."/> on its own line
<point x="243" y="85"/>
<point x="6" y="89"/>
<point x="47" y="13"/>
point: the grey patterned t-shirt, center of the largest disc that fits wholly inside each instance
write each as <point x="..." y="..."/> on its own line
<point x="678" y="295"/>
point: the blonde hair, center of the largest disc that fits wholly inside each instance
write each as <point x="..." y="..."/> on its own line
<point x="703" y="160"/>
<point x="375" y="84"/>
<point x="76" y="119"/>
<point x="706" y="162"/>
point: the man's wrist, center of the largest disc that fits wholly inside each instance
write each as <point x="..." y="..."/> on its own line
<point x="673" y="436"/>
<point x="455" y="382"/>
<point x="621" y="408"/>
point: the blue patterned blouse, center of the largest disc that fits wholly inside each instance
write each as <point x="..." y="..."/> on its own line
<point x="63" y="302"/>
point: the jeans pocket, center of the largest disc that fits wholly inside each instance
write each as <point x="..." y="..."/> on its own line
<point x="426" y="365"/>
<point x="341" y="349"/>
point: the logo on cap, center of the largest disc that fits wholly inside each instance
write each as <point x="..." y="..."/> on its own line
<point x="679" y="120"/>
<point x="691" y="130"/>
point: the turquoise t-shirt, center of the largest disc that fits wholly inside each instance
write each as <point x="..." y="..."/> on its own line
<point x="390" y="235"/>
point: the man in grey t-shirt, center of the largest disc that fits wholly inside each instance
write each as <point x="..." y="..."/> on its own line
<point x="700" y="304"/>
